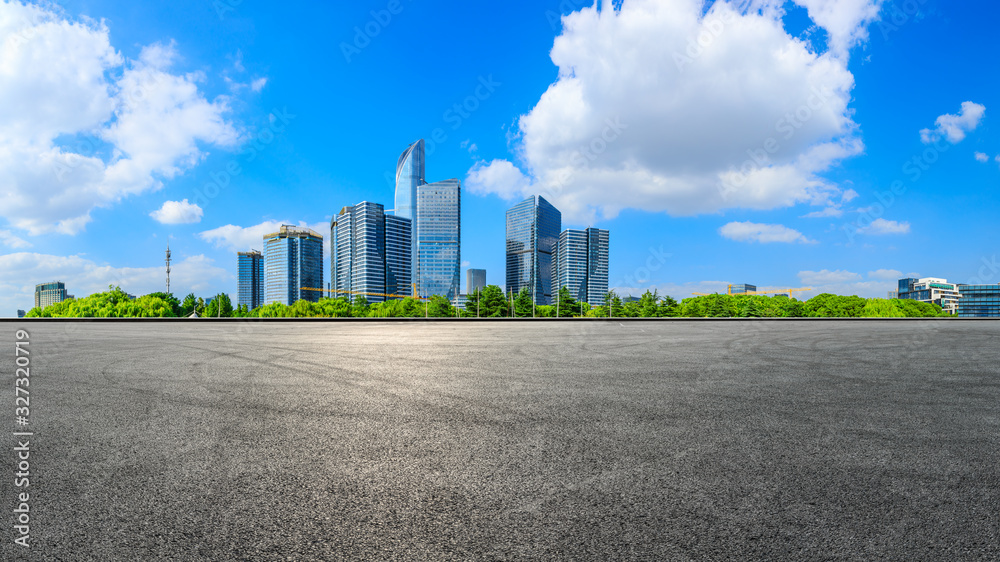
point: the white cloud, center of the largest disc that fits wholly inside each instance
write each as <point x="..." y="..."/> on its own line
<point x="886" y="274"/>
<point x="845" y="21"/>
<point x="81" y="127"/>
<point x="842" y="282"/>
<point x="178" y="212"/>
<point x="241" y="239"/>
<point x="883" y="226"/>
<point x="834" y="211"/>
<point x="763" y="233"/>
<point x="11" y="241"/>
<point x="953" y="128"/>
<point x="826" y="277"/>
<point x="981" y="157"/>
<point x="258" y="84"/>
<point x="20" y="272"/>
<point x="644" y="117"/>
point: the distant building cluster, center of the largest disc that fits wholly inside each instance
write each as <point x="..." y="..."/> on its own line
<point x="416" y="250"/>
<point x="544" y="258"/>
<point x="965" y="301"/>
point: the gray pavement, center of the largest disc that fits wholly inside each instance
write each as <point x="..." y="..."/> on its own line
<point x="509" y="441"/>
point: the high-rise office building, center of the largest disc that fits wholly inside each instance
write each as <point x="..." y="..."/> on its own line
<point x="439" y="239"/>
<point x="370" y="252"/>
<point x="742" y="289"/>
<point x="410" y="174"/>
<point x="21" y="313"/>
<point x="50" y="293"/>
<point x="250" y="279"/>
<point x="580" y="263"/>
<point x="293" y="264"/>
<point x="533" y="227"/>
<point x="475" y="280"/>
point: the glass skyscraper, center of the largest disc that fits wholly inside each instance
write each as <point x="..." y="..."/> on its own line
<point x="410" y="170"/>
<point x="293" y="263"/>
<point x="580" y="263"/>
<point x="370" y="253"/>
<point x="533" y="227"/>
<point x="250" y="279"/>
<point x="439" y="239"/>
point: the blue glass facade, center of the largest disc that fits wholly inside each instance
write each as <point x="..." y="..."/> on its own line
<point x="742" y="289"/>
<point x="979" y="301"/>
<point x="250" y="279"/>
<point x="439" y="239"/>
<point x="410" y="174"/>
<point x="533" y="227"/>
<point x="475" y="280"/>
<point x="370" y="252"/>
<point x="293" y="263"/>
<point x="580" y="263"/>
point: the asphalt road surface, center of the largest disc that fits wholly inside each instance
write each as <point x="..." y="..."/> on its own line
<point x="508" y="441"/>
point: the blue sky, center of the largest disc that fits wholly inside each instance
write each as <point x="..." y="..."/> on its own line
<point x="644" y="120"/>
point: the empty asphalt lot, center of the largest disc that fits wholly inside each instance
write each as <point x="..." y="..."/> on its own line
<point x="509" y="440"/>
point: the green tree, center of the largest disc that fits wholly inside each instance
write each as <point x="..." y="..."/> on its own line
<point x="171" y="300"/>
<point x="649" y="304"/>
<point x="360" y="307"/>
<point x="188" y="305"/>
<point x="440" y="307"/>
<point x="220" y="307"/>
<point x="668" y="308"/>
<point x="523" y="304"/>
<point x="566" y="306"/>
<point x="493" y="303"/>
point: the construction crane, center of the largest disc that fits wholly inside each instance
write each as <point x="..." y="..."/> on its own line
<point x="789" y="292"/>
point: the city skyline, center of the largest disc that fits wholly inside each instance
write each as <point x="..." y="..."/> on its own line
<point x="828" y="172"/>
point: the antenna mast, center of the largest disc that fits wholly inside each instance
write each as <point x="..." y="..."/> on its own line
<point x="168" y="269"/>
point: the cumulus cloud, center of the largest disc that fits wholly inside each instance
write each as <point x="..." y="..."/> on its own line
<point x="21" y="271"/>
<point x="845" y="21"/>
<point x="981" y="157"/>
<point x="82" y="127"/>
<point x="663" y="106"/>
<point x="763" y="233"/>
<point x="886" y="274"/>
<point x="953" y="128"/>
<point x="11" y="241"/>
<point x="178" y="212"/>
<point x="241" y="239"/>
<point x="883" y="226"/>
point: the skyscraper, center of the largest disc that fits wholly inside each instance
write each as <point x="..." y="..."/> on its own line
<point x="410" y="170"/>
<point x="580" y="263"/>
<point x="533" y="227"/>
<point x="250" y="279"/>
<point x="50" y="293"/>
<point x="475" y="280"/>
<point x="293" y="263"/>
<point x="370" y="252"/>
<point x="439" y="239"/>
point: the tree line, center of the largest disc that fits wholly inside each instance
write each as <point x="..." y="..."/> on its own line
<point x="492" y="302"/>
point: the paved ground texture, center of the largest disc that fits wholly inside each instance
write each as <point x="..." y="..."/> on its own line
<point x="509" y="441"/>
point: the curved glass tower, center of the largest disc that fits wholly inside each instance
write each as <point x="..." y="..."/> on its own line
<point x="409" y="176"/>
